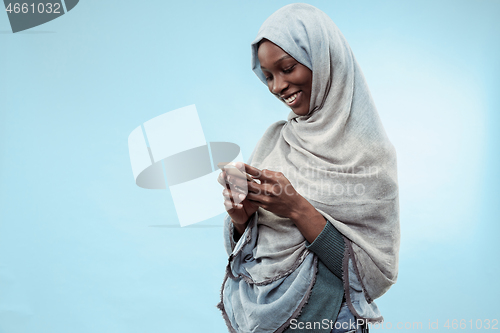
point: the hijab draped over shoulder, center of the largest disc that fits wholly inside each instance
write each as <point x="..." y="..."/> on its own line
<point x="338" y="156"/>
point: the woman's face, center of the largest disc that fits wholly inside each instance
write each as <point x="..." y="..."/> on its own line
<point x="286" y="78"/>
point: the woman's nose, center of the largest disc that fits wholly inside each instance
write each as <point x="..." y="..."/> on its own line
<point x="278" y="85"/>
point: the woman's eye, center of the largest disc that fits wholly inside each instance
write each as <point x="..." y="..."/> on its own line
<point x="268" y="78"/>
<point x="289" y="69"/>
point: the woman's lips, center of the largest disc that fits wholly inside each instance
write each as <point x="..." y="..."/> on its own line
<point x="293" y="99"/>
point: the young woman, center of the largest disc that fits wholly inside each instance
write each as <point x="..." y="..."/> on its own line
<point x="315" y="240"/>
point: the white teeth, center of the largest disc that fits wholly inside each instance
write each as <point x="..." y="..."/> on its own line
<point x="291" y="98"/>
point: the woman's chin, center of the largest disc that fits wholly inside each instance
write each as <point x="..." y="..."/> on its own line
<point x="299" y="111"/>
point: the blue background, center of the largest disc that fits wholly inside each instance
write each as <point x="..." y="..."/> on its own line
<point x="83" y="249"/>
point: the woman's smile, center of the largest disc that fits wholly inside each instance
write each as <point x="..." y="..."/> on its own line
<point x="293" y="99"/>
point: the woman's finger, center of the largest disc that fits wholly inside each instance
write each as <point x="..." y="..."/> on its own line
<point x="222" y="179"/>
<point x="250" y="169"/>
<point x="269" y="186"/>
<point x="233" y="195"/>
<point x="233" y="183"/>
<point x="257" y="198"/>
<point x="239" y="183"/>
<point x="263" y="175"/>
<point x="226" y="193"/>
<point x="256" y="187"/>
<point x="228" y="205"/>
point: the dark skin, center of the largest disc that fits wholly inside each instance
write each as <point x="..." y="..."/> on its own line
<point x="291" y="82"/>
<point x="286" y="78"/>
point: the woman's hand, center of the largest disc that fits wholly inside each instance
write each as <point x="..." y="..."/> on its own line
<point x="276" y="194"/>
<point x="235" y="202"/>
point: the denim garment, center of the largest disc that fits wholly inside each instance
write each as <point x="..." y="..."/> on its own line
<point x="258" y="299"/>
<point x="246" y="305"/>
<point x="362" y="308"/>
<point x="346" y="322"/>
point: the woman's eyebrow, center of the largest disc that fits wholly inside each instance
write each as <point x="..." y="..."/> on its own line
<point x="286" y="56"/>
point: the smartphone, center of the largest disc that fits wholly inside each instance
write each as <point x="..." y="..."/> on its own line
<point x="234" y="171"/>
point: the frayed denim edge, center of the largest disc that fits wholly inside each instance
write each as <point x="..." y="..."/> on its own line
<point x="294" y="315"/>
<point x="345" y="277"/>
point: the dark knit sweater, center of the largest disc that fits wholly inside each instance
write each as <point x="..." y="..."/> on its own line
<point x="327" y="293"/>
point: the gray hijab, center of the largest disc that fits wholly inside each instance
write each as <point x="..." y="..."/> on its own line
<point x="338" y="156"/>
